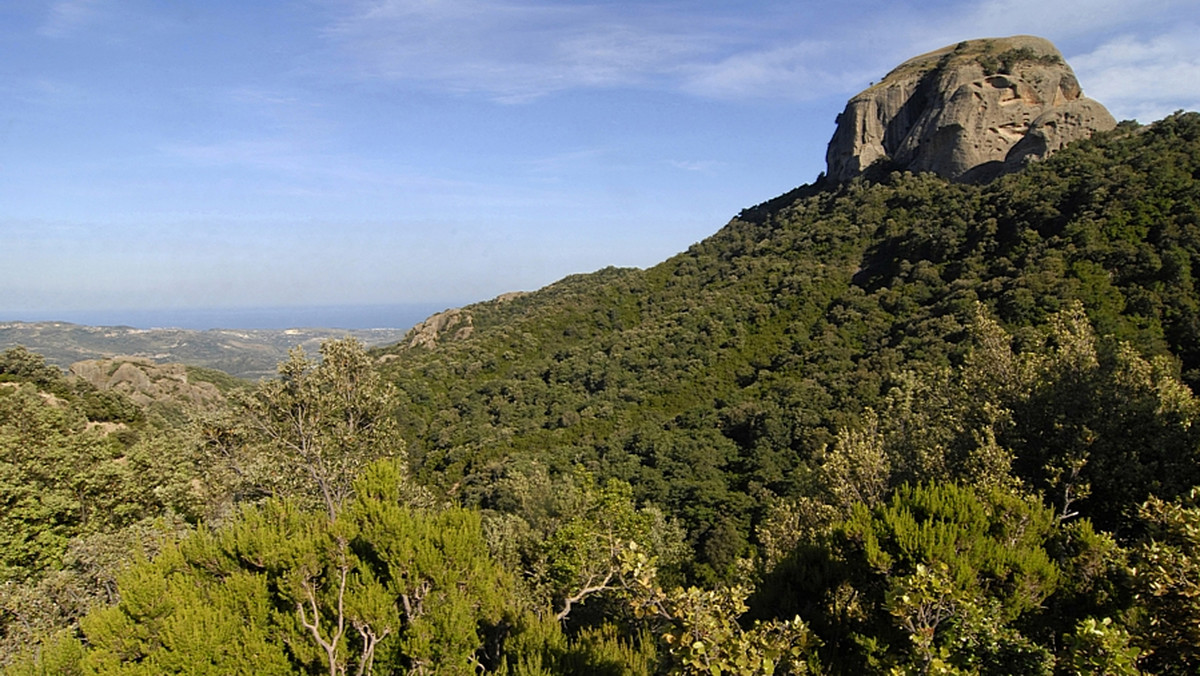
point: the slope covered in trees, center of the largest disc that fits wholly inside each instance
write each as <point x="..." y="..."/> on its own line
<point x="897" y="425"/>
<point x="720" y="377"/>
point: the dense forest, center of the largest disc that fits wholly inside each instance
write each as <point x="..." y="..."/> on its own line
<point x="897" y="425"/>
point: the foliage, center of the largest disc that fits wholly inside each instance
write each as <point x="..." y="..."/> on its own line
<point x="702" y="632"/>
<point x="1006" y="60"/>
<point x="224" y="382"/>
<point x="18" y="363"/>
<point x="1101" y="647"/>
<point x="569" y="536"/>
<point x="924" y="579"/>
<point x="282" y="590"/>
<point x="720" y="379"/>
<point x="321" y="423"/>
<point x="85" y="484"/>
<point x="1166" y="577"/>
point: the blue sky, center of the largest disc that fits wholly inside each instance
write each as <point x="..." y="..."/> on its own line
<point x="320" y="152"/>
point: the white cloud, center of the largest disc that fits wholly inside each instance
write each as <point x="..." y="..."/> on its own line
<point x="561" y="163"/>
<point x="67" y="16"/>
<point x="1144" y="78"/>
<point x="42" y="91"/>
<point x="274" y="154"/>
<point x="515" y="51"/>
<point x="292" y="168"/>
<point x="1057" y="19"/>
<point x="1149" y="69"/>
<point x="799" y="72"/>
<point x="696" y="165"/>
<point x="518" y="50"/>
<point x="512" y="51"/>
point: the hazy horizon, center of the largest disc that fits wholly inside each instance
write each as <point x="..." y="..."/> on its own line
<point x="350" y="317"/>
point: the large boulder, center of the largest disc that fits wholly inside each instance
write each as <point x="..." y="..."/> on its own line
<point x="968" y="112"/>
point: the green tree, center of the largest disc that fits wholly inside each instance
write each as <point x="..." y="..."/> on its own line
<point x="19" y="364"/>
<point x="857" y="469"/>
<point x="939" y="574"/>
<point x="1166" y="579"/>
<point x="1101" y="647"/>
<point x="569" y="535"/>
<point x="703" y="630"/>
<point x="323" y="422"/>
<point x="380" y="588"/>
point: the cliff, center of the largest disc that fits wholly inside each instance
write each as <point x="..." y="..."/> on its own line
<point x="968" y="112"/>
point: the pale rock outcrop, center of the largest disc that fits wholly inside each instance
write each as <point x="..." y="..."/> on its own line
<point x="455" y="322"/>
<point x="146" y="382"/>
<point x="968" y="112"/>
<point x="452" y="324"/>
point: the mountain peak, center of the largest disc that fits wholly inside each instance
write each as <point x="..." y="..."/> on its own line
<point x="969" y="112"/>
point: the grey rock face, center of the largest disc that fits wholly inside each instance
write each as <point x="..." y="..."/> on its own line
<point x="968" y="112"/>
<point x="145" y="381"/>
<point x="455" y="322"/>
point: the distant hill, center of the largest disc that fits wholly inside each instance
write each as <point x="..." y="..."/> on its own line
<point x="249" y="354"/>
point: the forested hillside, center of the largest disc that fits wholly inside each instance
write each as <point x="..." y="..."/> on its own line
<point x="895" y="425"/>
<point x="721" y="377"/>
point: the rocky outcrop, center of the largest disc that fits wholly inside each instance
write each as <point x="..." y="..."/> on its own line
<point x="146" y="382"/>
<point x="456" y="322"/>
<point x="968" y="112"/>
<point x="452" y="324"/>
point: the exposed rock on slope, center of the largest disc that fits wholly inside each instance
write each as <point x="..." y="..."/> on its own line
<point x="145" y="381"/>
<point x="968" y="112"/>
<point x="452" y="324"/>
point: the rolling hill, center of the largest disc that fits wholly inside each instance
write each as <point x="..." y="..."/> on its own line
<point x="243" y="353"/>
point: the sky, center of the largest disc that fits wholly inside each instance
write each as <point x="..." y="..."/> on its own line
<point x="232" y="154"/>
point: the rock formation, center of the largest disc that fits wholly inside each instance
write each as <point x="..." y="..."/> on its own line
<point x="146" y="382"/>
<point x="968" y="112"/>
<point x="453" y="324"/>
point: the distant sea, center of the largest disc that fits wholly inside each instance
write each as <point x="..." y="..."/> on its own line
<point x="395" y="316"/>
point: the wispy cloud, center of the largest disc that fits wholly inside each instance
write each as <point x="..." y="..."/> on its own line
<point x="1138" y="57"/>
<point x="264" y="97"/>
<point x="67" y="16"/>
<point x="1061" y="19"/>
<point x="273" y="154"/>
<point x="43" y="91"/>
<point x="559" y="163"/>
<point x="796" y="71"/>
<point x="695" y="165"/>
<point x="518" y="50"/>
<point x="300" y="169"/>
<point x="515" y="51"/>
<point x="1144" y="78"/>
